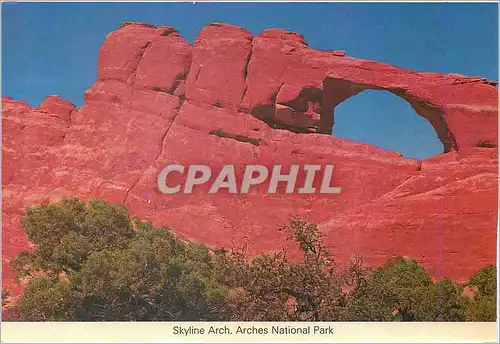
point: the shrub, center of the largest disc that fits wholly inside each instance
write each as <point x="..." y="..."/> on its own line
<point x="90" y="262"/>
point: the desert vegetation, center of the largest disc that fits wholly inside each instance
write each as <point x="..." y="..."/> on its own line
<point x="91" y="262"/>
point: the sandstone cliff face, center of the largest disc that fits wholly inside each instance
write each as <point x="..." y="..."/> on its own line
<point x="158" y="99"/>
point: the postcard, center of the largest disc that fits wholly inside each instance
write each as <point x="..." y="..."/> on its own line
<point x="249" y="172"/>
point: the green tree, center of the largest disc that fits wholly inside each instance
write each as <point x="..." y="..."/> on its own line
<point x="89" y="264"/>
<point x="46" y="299"/>
<point x="271" y="287"/>
<point x="449" y="303"/>
<point x="66" y="233"/>
<point x="483" y="304"/>
<point x="401" y="290"/>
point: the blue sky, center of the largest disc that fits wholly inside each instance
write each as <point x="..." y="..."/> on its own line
<point x="51" y="48"/>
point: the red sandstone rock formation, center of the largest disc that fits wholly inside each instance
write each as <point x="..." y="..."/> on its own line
<point x="158" y="99"/>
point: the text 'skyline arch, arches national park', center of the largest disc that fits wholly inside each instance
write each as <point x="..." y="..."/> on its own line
<point x="160" y="100"/>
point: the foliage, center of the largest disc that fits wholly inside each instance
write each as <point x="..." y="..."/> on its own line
<point x="483" y="306"/>
<point x="5" y="297"/>
<point x="66" y="233"/>
<point x="90" y="262"/>
<point x="99" y="268"/>
<point x="402" y="291"/>
<point x="271" y="287"/>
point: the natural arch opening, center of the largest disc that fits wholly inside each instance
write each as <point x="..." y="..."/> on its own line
<point x="387" y="121"/>
<point x="399" y="121"/>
